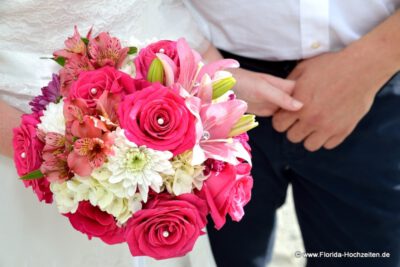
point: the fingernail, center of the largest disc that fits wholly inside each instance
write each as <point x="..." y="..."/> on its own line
<point x="296" y="104"/>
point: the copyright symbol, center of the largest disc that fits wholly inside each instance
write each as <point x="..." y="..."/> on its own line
<point x="297" y="254"/>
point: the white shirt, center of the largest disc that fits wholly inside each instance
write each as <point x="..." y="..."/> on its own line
<point x="287" y="29"/>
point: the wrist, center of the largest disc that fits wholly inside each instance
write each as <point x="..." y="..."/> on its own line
<point x="373" y="60"/>
<point x="378" y="52"/>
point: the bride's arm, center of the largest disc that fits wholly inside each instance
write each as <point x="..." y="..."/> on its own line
<point x="10" y="118"/>
<point x="264" y="93"/>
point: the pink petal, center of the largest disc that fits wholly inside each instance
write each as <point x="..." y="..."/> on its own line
<point x="170" y="68"/>
<point x="211" y="68"/>
<point x="205" y="90"/>
<point x="218" y="119"/>
<point x="188" y="64"/>
<point x="226" y="151"/>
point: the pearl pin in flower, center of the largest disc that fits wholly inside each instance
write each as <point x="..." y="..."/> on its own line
<point x="93" y="91"/>
<point x="162" y="51"/>
<point x="23" y="155"/>
<point x="165" y="234"/>
<point x="160" y="121"/>
<point x="206" y="135"/>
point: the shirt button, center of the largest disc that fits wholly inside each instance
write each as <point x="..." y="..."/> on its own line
<point x="316" y="45"/>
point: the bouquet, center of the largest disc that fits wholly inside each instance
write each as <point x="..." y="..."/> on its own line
<point x="138" y="146"/>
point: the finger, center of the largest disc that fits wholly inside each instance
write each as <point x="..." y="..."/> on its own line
<point x="296" y="72"/>
<point x="283" y="84"/>
<point x="298" y="132"/>
<point x="315" y="141"/>
<point x="336" y="140"/>
<point x="281" y="99"/>
<point x="283" y="120"/>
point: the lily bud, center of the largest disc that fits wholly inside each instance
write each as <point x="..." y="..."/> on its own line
<point x="222" y="86"/>
<point x="156" y="71"/>
<point x="244" y="124"/>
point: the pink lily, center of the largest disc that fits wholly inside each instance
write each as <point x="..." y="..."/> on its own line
<point x="213" y="126"/>
<point x="191" y="69"/>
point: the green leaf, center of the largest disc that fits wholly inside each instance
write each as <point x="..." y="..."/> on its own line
<point x="32" y="175"/>
<point x="85" y="40"/>
<point x="156" y="71"/>
<point x="132" y="50"/>
<point x="60" y="61"/>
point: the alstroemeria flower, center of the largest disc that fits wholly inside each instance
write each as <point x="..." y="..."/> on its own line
<point x="74" y="65"/>
<point x="73" y="45"/>
<point x="55" y="167"/>
<point x="106" y="50"/>
<point x="89" y="153"/>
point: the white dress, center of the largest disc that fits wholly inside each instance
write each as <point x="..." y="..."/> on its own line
<point x="34" y="234"/>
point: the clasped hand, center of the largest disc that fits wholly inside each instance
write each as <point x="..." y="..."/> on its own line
<point x="321" y="102"/>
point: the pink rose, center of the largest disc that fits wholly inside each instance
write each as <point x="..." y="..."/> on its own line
<point x="27" y="146"/>
<point x="158" y="118"/>
<point x="91" y="84"/>
<point x="148" y="54"/>
<point x="41" y="187"/>
<point x="28" y="155"/>
<point x="228" y="191"/>
<point x="241" y="193"/>
<point x="93" y="222"/>
<point x="167" y="227"/>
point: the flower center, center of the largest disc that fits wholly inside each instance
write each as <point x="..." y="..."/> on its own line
<point x="93" y="91"/>
<point x="136" y="160"/>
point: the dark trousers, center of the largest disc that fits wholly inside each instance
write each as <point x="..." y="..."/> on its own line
<point x="346" y="199"/>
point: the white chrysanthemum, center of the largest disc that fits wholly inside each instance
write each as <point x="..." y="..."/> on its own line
<point x="98" y="191"/>
<point x="134" y="167"/>
<point x="186" y="177"/>
<point x="53" y="118"/>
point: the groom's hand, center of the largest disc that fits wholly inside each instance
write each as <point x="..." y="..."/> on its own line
<point x="264" y="94"/>
<point x="336" y="95"/>
<point x="338" y="89"/>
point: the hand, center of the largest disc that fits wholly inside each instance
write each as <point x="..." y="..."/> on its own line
<point x="337" y="90"/>
<point x="264" y="93"/>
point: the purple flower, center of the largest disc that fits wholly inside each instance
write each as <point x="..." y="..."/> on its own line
<point x="50" y="93"/>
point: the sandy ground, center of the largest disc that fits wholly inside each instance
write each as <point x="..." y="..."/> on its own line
<point x="288" y="237"/>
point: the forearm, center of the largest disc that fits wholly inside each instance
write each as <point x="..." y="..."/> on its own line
<point x="211" y="53"/>
<point x="380" y="49"/>
<point x="10" y="118"/>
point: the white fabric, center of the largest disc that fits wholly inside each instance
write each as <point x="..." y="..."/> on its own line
<point x="33" y="234"/>
<point x="30" y="30"/>
<point x="289" y="29"/>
